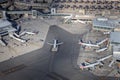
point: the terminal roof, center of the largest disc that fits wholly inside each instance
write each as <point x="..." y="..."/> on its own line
<point x="115" y="37"/>
<point x="4" y="23"/>
<point x="105" y="23"/>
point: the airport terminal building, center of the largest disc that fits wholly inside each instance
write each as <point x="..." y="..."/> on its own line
<point x="115" y="43"/>
<point x="105" y="24"/>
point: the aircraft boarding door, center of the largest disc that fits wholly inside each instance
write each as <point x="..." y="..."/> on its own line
<point x="53" y="11"/>
<point x="34" y="14"/>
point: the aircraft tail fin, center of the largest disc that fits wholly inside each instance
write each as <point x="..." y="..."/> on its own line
<point x="80" y="41"/>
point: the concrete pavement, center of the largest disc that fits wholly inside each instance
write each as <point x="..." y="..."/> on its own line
<point x="16" y="48"/>
<point x="41" y="63"/>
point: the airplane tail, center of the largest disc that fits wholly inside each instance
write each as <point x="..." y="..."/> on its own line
<point x="80" y="41"/>
<point x="81" y="66"/>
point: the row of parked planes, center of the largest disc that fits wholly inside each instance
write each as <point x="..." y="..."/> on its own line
<point x="55" y="45"/>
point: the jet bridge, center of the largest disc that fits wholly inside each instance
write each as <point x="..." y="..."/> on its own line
<point x="36" y="13"/>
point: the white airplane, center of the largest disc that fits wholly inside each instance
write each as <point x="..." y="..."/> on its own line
<point x="78" y="21"/>
<point x="55" y="45"/>
<point x="88" y="44"/>
<point x="106" y="32"/>
<point x="16" y="38"/>
<point x="100" y="50"/>
<point x="102" y="41"/>
<point x="7" y="29"/>
<point x="25" y="32"/>
<point x="92" y="65"/>
<point x="102" y="59"/>
<point x="67" y="18"/>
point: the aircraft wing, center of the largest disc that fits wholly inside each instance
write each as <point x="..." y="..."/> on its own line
<point x="59" y="43"/>
<point x="49" y="43"/>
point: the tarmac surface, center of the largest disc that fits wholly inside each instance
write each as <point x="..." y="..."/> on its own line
<point x="16" y="48"/>
<point x="43" y="64"/>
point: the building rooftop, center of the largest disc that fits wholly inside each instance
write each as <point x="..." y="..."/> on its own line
<point x="4" y="23"/>
<point x="116" y="51"/>
<point x="115" y="37"/>
<point x="105" y="23"/>
<point x="5" y="27"/>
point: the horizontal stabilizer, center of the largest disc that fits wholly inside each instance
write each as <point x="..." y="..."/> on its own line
<point x="59" y="43"/>
<point x="50" y="43"/>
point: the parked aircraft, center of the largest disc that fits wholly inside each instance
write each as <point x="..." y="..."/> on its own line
<point x="102" y="49"/>
<point x="55" y="44"/>
<point x="88" y="44"/>
<point x="67" y="18"/>
<point x="92" y="65"/>
<point x="106" y="32"/>
<point x="102" y="41"/>
<point x="102" y="59"/>
<point x="78" y="21"/>
<point x="6" y="28"/>
<point x="24" y="32"/>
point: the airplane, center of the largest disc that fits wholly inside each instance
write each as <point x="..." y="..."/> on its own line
<point x="92" y="65"/>
<point x="55" y="44"/>
<point x="102" y="49"/>
<point x="102" y="41"/>
<point x="77" y="21"/>
<point x="67" y="18"/>
<point x="16" y="38"/>
<point x="88" y="44"/>
<point x="106" y="32"/>
<point x="25" y="32"/>
<point x="102" y="59"/>
<point x="6" y="28"/>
